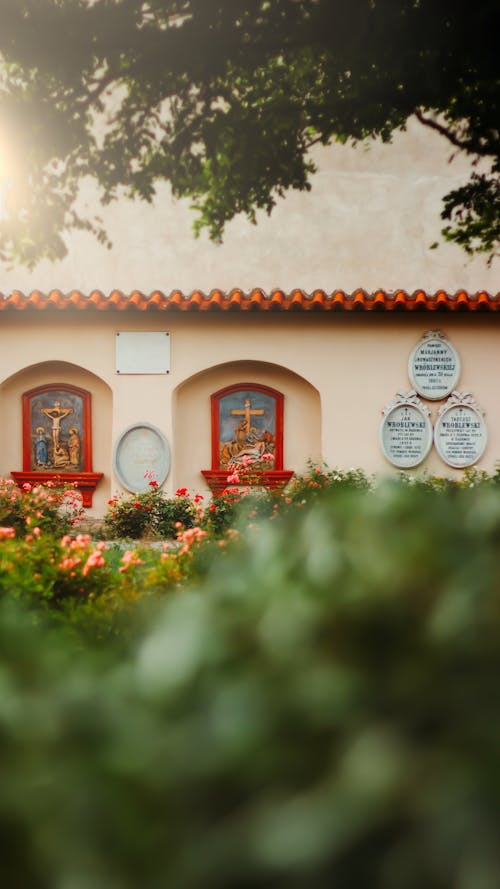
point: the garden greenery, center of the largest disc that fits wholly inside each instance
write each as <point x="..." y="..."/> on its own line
<point x="306" y="701"/>
<point x="151" y="514"/>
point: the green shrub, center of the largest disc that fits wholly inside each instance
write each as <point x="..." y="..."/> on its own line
<point x="323" y="711"/>
<point x="175" y="513"/>
<point x="150" y="514"/>
<point x="470" y="478"/>
<point x="130" y="516"/>
<point x="235" y="507"/>
<point x="318" y="479"/>
<point x="51" y="507"/>
<point x="93" y="589"/>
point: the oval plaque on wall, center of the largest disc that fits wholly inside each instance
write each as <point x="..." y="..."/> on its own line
<point x="460" y="434"/>
<point x="406" y="431"/>
<point x="141" y="455"/>
<point x="434" y="366"/>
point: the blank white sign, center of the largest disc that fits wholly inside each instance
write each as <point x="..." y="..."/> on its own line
<point x="142" y="353"/>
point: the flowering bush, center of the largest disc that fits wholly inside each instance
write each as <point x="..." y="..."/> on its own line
<point x="177" y="513"/>
<point x="92" y="587"/>
<point x="96" y="586"/>
<point x="248" y="470"/>
<point x="46" y="569"/>
<point x="130" y="516"/>
<point x="11" y="505"/>
<point x="222" y="511"/>
<point x="151" y="514"/>
<point x="469" y="478"/>
<point x="51" y="506"/>
<point x="317" y="479"/>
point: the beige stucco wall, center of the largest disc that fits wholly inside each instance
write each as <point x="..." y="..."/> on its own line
<point x="337" y="373"/>
<point x="369" y="221"/>
<point x="301" y="421"/>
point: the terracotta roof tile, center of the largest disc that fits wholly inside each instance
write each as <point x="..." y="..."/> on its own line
<point x="254" y="301"/>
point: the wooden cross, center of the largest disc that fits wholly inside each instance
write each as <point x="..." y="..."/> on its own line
<point x="248" y="412"/>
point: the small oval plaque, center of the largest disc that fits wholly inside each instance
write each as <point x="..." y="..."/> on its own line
<point x="141" y="455"/>
<point x="406" y="431"/>
<point x="434" y="366"/>
<point x="460" y="434"/>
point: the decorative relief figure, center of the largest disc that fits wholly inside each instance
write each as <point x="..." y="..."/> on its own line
<point x="57" y="438"/>
<point x="41" y="449"/>
<point x="247" y="437"/>
<point x="247" y="428"/>
<point x="74" y="447"/>
<point x="49" y="432"/>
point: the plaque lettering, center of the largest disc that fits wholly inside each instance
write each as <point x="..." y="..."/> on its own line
<point x="406" y="431"/>
<point x="460" y="434"/>
<point x="141" y="454"/>
<point x="434" y="366"/>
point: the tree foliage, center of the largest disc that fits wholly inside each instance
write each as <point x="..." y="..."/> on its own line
<point x="225" y="98"/>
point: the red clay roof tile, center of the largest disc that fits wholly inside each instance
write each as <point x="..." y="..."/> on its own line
<point x="255" y="300"/>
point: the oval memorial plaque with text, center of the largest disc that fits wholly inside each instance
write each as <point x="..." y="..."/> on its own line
<point x="406" y="432"/>
<point x="434" y="367"/>
<point x="141" y="455"/>
<point x="460" y="435"/>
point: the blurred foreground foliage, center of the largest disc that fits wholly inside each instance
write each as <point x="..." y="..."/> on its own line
<point x="321" y="710"/>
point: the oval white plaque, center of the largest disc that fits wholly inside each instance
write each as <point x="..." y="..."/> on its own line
<point x="460" y="434"/>
<point x="406" y="431"/>
<point x="434" y="366"/>
<point x="141" y="455"/>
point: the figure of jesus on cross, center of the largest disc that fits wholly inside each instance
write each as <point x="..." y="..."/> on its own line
<point x="56" y="413"/>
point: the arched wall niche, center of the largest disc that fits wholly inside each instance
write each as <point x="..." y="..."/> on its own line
<point x="11" y="443"/>
<point x="192" y="417"/>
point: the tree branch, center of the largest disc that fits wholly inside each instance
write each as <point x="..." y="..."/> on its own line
<point x="313" y="142"/>
<point x="92" y="95"/>
<point x="470" y="145"/>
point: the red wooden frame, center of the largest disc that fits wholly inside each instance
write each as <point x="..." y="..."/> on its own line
<point x="216" y="477"/>
<point x="86" y="422"/>
<point x="84" y="479"/>
<point x="215" y="400"/>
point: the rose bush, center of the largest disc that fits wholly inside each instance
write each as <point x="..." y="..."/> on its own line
<point x="151" y="514"/>
<point x="52" y="506"/>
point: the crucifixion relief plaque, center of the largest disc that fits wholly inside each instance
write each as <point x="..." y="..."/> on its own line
<point x="247" y="436"/>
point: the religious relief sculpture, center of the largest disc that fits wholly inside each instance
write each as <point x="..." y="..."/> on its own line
<point x="247" y="431"/>
<point x="247" y="437"/>
<point x="54" y="445"/>
<point x="57" y="438"/>
<point x="41" y="449"/>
